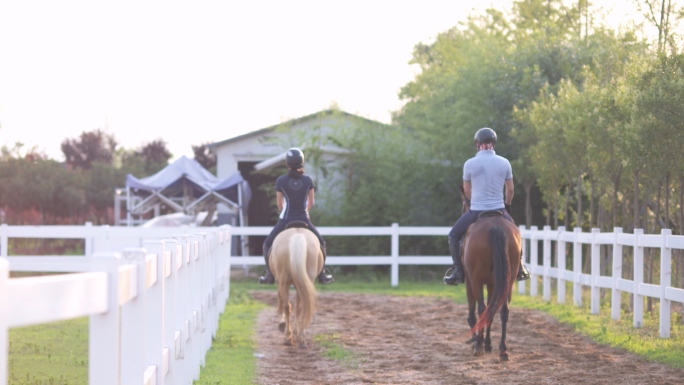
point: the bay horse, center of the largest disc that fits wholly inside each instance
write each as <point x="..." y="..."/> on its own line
<point x="296" y="259"/>
<point x="491" y="256"/>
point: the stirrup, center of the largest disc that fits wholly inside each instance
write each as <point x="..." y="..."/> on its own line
<point x="267" y="278"/>
<point x="452" y="278"/>
<point x="523" y="273"/>
<point x="325" y="277"/>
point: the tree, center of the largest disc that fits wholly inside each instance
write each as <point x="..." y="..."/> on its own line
<point x="147" y="159"/>
<point x="88" y="148"/>
<point x="664" y="15"/>
<point x="205" y="156"/>
<point x="155" y="155"/>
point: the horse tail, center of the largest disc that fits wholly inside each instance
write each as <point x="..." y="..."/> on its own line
<point x="306" y="292"/>
<point x="502" y="280"/>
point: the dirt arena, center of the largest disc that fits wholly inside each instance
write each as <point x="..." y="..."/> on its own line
<point x="417" y="340"/>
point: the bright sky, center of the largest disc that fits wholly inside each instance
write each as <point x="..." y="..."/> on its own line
<point x="204" y="71"/>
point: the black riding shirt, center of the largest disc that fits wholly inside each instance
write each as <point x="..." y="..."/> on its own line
<point x="296" y="195"/>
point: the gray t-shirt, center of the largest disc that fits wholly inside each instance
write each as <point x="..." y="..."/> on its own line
<point x="487" y="174"/>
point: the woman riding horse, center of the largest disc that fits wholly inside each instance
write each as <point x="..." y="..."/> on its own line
<point x="294" y="197"/>
<point x="484" y="179"/>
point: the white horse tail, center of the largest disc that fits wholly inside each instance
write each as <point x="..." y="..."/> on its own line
<point x="306" y="292"/>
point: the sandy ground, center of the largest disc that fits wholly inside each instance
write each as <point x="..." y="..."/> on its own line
<point x="412" y="340"/>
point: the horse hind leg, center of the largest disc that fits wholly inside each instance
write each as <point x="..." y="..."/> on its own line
<point x="478" y="348"/>
<point x="299" y="334"/>
<point x="472" y="319"/>
<point x="284" y="309"/>
<point x="488" y="338"/>
<point x="503" y="355"/>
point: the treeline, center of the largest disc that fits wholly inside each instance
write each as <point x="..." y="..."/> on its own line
<point x="37" y="190"/>
<point x="590" y="117"/>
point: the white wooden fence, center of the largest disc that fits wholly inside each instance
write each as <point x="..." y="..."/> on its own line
<point x="153" y="309"/>
<point x="664" y="242"/>
<point x="168" y="286"/>
<point x="637" y="242"/>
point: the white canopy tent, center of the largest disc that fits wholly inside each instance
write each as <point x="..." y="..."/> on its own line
<point x="187" y="187"/>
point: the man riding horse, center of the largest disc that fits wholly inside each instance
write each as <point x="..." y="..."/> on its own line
<point x="484" y="178"/>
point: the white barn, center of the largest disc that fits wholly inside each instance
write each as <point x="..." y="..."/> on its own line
<point x="260" y="155"/>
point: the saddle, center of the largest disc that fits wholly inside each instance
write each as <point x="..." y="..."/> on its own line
<point x="297" y="224"/>
<point x="489" y="213"/>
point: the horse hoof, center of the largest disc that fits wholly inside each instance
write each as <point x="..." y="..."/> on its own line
<point x="281" y="327"/>
<point x="288" y="343"/>
<point x="503" y="357"/>
<point x="477" y="351"/>
<point x="303" y="345"/>
<point x="488" y="349"/>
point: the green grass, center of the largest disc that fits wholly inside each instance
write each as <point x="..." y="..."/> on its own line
<point x="335" y="351"/>
<point x="231" y="357"/>
<point x="54" y="353"/>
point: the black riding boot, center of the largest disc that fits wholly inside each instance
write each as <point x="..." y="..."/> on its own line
<point x="454" y="275"/>
<point x="267" y="277"/>
<point x="325" y="277"/>
<point x="523" y="273"/>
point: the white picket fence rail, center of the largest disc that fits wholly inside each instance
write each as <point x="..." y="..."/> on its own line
<point x="172" y="283"/>
<point x="665" y="242"/>
<point x="153" y="307"/>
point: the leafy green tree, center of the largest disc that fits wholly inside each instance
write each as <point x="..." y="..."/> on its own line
<point x="205" y="157"/>
<point x="89" y="147"/>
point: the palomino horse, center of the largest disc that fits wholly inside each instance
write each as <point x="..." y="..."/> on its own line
<point x="296" y="259"/>
<point x="491" y="257"/>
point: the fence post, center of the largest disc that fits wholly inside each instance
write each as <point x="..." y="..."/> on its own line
<point x="534" y="259"/>
<point x="202" y="283"/>
<point x="523" y="241"/>
<point x="638" y="279"/>
<point x="561" y="260"/>
<point x="4" y="243"/>
<point x="4" y="343"/>
<point x="182" y="317"/>
<point x="104" y="365"/>
<point x="89" y="246"/>
<point x="546" y="278"/>
<point x="133" y="322"/>
<point x="395" y="254"/>
<point x="170" y="299"/>
<point x="192" y="352"/>
<point x="226" y="257"/>
<point x="665" y="282"/>
<point x="595" y="273"/>
<point x="577" y="267"/>
<point x="616" y="295"/>
<point x="154" y="316"/>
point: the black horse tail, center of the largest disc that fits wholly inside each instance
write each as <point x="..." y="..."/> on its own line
<point x="502" y="279"/>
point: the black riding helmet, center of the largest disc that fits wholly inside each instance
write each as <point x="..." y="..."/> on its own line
<point x="294" y="158"/>
<point x="485" y="135"/>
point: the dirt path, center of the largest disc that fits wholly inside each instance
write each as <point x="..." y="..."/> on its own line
<point x="414" y="340"/>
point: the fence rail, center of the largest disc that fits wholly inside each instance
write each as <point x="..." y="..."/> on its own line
<point x="665" y="242"/>
<point x="153" y="306"/>
<point x="168" y="286"/>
